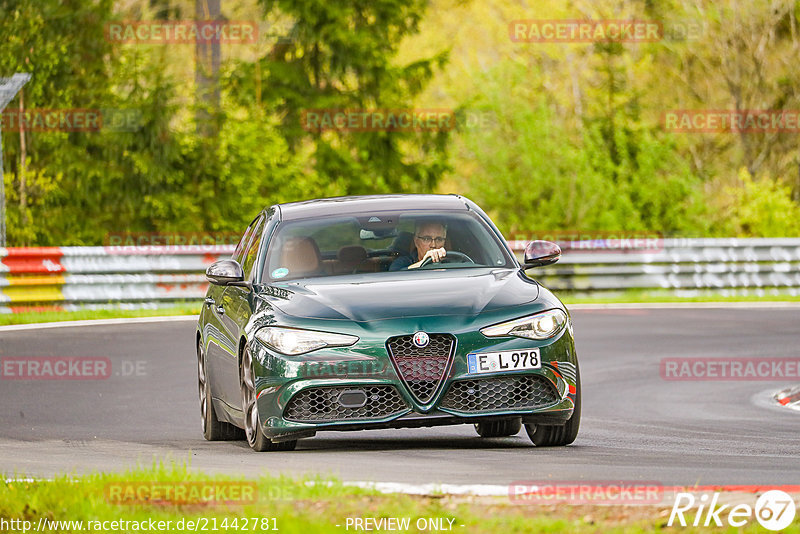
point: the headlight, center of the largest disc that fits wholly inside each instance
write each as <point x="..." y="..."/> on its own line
<point x="540" y="326"/>
<point x="292" y="341"/>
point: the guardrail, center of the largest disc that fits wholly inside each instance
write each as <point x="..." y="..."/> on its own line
<point x="676" y="264"/>
<point x="80" y="277"/>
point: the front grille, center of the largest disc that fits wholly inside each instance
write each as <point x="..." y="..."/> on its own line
<point x="421" y="369"/>
<point x="500" y="393"/>
<point x="320" y="405"/>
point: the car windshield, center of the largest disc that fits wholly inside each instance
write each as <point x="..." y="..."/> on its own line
<point x="379" y="243"/>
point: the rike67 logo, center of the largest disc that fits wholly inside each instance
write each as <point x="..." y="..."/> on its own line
<point x="774" y="510"/>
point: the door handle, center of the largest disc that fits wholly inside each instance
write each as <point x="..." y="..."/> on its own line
<point x="209" y="301"/>
<point x="220" y="310"/>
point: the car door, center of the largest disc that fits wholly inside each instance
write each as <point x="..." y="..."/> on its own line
<point x="234" y="315"/>
<point x="221" y="347"/>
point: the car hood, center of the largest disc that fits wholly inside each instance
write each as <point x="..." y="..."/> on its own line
<point x="403" y="294"/>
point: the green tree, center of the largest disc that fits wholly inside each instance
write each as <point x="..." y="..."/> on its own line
<point x="532" y="173"/>
<point x="155" y="174"/>
<point x="339" y="55"/>
<point x="759" y="207"/>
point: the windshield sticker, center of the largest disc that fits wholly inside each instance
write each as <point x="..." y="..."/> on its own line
<point x="280" y="272"/>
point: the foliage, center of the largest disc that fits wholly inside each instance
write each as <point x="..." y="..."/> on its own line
<point x="337" y="56"/>
<point x="759" y="207"/>
<point x="574" y="138"/>
<point x="532" y="175"/>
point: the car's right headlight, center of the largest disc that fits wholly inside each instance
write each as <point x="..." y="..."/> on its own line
<point x="294" y="341"/>
<point x="539" y="326"/>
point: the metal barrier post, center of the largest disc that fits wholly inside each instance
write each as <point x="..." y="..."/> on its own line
<point x="9" y="87"/>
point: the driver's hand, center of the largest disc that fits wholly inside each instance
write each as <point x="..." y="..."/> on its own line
<point x="435" y="254"/>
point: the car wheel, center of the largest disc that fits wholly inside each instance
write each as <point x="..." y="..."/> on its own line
<point x="559" y="435"/>
<point x="499" y="429"/>
<point x="252" y="429"/>
<point x="213" y="428"/>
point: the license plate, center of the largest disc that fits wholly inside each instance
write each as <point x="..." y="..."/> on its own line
<point x="510" y="360"/>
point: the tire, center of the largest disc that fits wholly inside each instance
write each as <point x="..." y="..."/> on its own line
<point x="252" y="429"/>
<point x="499" y="429"/>
<point x="559" y="435"/>
<point x="213" y="428"/>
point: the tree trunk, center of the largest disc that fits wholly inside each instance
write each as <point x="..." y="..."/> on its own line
<point x="23" y="198"/>
<point x="207" y="62"/>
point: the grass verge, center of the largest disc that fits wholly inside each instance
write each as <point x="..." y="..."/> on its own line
<point x="288" y="505"/>
<point x="661" y="297"/>
<point x="83" y="315"/>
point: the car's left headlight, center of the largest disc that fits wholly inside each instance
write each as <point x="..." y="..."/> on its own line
<point x="293" y="341"/>
<point x="540" y="326"/>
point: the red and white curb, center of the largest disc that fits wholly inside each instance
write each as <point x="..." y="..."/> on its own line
<point x="789" y="398"/>
<point x="542" y="493"/>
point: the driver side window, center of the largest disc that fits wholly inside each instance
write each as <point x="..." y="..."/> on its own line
<point x="252" y="249"/>
<point x="238" y="254"/>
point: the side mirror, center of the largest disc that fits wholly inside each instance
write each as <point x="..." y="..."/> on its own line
<point x="225" y="273"/>
<point x="539" y="253"/>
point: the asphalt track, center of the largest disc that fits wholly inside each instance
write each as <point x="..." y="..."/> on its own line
<point x="636" y="425"/>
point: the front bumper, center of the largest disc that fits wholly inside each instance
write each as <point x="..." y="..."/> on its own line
<point x="328" y="380"/>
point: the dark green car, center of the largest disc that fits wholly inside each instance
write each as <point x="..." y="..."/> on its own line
<point x="394" y="311"/>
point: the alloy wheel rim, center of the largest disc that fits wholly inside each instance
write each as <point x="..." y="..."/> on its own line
<point x="249" y="398"/>
<point x="201" y="383"/>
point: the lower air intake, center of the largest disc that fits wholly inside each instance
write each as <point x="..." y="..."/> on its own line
<point x="500" y="393"/>
<point x="333" y="403"/>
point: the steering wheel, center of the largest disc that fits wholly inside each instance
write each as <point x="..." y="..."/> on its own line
<point x="451" y="257"/>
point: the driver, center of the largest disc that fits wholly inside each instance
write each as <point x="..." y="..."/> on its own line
<point x="428" y="243"/>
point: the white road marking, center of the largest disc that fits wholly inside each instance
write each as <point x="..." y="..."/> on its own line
<point x="486" y="490"/>
<point x="99" y="322"/>
<point x="682" y="305"/>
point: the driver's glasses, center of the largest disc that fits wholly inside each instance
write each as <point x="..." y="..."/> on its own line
<point x="439" y="241"/>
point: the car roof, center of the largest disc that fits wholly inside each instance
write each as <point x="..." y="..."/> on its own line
<point x="370" y="203"/>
